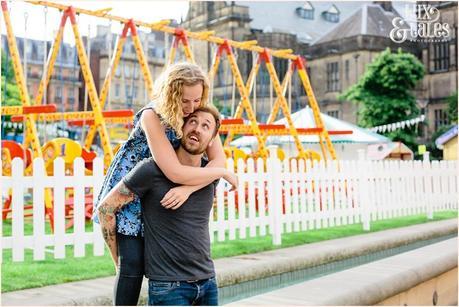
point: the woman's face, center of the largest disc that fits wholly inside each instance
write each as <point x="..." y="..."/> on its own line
<point x="191" y="99"/>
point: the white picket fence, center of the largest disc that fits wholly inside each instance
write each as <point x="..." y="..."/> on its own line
<point x="272" y="198"/>
<point x="293" y="196"/>
<point x="18" y="186"/>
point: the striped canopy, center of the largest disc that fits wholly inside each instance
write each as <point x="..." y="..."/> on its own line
<point x="304" y="119"/>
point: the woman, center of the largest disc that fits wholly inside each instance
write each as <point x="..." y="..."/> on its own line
<point x="157" y="131"/>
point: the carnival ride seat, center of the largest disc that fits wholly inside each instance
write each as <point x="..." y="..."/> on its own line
<point x="68" y="150"/>
<point x="11" y="150"/>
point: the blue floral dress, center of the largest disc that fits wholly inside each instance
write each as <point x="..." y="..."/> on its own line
<point x="134" y="150"/>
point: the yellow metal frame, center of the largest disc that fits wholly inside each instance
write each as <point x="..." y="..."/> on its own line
<point x="324" y="137"/>
<point x="31" y="130"/>
<point x="182" y="35"/>
<point x="243" y="91"/>
<point x="31" y="136"/>
<point x="128" y="26"/>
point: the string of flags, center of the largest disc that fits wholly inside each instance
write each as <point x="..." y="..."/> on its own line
<point x="400" y="125"/>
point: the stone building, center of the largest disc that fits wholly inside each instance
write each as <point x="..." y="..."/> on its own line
<point x="301" y="23"/>
<point x="338" y="40"/>
<point x="338" y="59"/>
<point x="63" y="88"/>
<point x="440" y="61"/>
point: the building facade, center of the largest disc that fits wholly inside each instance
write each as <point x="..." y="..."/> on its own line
<point x="441" y="80"/>
<point x="339" y="58"/>
<point x="243" y="21"/>
<point x="338" y="39"/>
<point x="64" y="86"/>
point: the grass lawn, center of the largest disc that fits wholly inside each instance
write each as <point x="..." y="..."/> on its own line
<point x="30" y="274"/>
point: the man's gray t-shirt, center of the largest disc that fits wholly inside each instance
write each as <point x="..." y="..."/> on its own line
<point x="177" y="243"/>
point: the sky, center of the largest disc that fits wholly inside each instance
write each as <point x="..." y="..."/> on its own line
<point x="143" y="10"/>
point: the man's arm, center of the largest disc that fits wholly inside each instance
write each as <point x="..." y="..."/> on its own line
<point x="119" y="196"/>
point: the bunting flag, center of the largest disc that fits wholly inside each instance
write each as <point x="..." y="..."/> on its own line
<point x="12" y="125"/>
<point x="400" y="125"/>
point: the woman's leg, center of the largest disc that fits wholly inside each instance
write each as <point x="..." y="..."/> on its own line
<point x="131" y="270"/>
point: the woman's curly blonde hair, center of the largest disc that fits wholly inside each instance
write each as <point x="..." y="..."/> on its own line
<point x="169" y="92"/>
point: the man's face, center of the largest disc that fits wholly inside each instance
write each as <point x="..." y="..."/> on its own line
<point x="198" y="132"/>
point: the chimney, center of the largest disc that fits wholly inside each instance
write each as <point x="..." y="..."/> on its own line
<point x="385" y="5"/>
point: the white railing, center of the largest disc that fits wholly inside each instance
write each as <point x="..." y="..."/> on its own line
<point x="272" y="198"/>
<point x="293" y="196"/>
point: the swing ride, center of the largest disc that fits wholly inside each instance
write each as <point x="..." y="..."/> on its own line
<point x="96" y="121"/>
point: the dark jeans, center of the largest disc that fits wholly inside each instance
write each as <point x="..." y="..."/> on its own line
<point x="183" y="293"/>
<point x="131" y="270"/>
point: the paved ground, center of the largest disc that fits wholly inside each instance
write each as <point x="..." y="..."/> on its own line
<point x="241" y="268"/>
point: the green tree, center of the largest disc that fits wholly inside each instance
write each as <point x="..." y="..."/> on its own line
<point x="10" y="91"/>
<point x="384" y="93"/>
<point x="452" y="108"/>
<point x="224" y="110"/>
<point x="435" y="153"/>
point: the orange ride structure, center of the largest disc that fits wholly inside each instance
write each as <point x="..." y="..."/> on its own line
<point x="35" y="110"/>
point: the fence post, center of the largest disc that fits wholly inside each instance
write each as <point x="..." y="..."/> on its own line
<point x="426" y="156"/>
<point x="39" y="175"/>
<point x="98" y="178"/>
<point x="17" y="206"/>
<point x="363" y="189"/>
<point x="275" y="195"/>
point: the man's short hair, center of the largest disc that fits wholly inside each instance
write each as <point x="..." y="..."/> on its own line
<point x="211" y="110"/>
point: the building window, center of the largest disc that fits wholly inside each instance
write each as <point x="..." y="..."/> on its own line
<point x="118" y="71"/>
<point x="346" y="70"/>
<point x="332" y="77"/>
<point x="59" y="92"/>
<point x="127" y="92"/>
<point x="135" y="90"/>
<point x="127" y="71"/>
<point x="306" y="11"/>
<point x="151" y="52"/>
<point x="281" y="66"/>
<point x="334" y="113"/>
<point x="70" y="93"/>
<point x="440" y="56"/>
<point x="117" y="90"/>
<point x="332" y="14"/>
<point x="441" y="118"/>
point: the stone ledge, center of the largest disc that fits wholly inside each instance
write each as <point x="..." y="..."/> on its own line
<point x="245" y="267"/>
<point x="250" y="267"/>
<point x="368" y="284"/>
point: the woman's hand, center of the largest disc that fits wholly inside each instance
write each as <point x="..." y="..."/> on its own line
<point x="175" y="198"/>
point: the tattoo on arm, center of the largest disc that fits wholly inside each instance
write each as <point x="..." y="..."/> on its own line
<point x="124" y="190"/>
<point x="106" y="209"/>
<point x="119" y="196"/>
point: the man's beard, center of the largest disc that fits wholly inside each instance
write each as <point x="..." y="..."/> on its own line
<point x="200" y="150"/>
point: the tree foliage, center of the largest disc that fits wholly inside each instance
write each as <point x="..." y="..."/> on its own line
<point x="384" y="93"/>
<point x="10" y="91"/>
<point x="452" y="108"/>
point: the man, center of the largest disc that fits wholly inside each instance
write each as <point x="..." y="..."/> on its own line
<point x="177" y="244"/>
